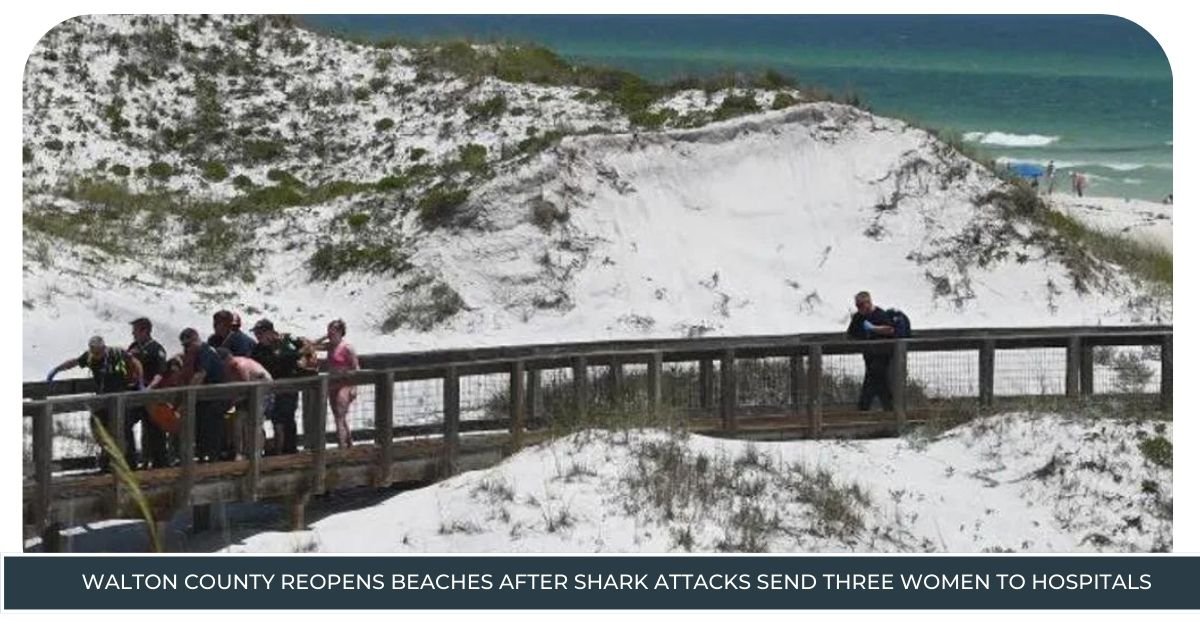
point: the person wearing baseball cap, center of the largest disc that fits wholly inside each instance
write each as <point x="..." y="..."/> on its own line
<point x="284" y="357"/>
<point x="207" y="369"/>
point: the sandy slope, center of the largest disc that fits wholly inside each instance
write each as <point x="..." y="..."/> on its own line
<point x="1010" y="482"/>
<point x="1143" y="220"/>
<point x="765" y="223"/>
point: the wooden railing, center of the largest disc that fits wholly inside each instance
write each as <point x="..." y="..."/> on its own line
<point x="380" y="462"/>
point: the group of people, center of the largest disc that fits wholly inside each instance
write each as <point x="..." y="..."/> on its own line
<point x="228" y="355"/>
<point x="231" y="355"/>
<point x="1078" y="180"/>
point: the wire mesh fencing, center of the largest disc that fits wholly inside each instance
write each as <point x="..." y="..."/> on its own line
<point x="418" y="402"/>
<point x="681" y="385"/>
<point x="484" y="397"/>
<point x="1031" y="372"/>
<point x="762" y="383"/>
<point x="1126" y="370"/>
<point x="842" y="379"/>
<point x="27" y="447"/>
<point x="942" y="375"/>
<point x="937" y="379"/>
<point x="73" y="438"/>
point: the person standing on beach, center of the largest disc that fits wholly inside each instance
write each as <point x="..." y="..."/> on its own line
<point x="1050" y="178"/>
<point x="1078" y="181"/>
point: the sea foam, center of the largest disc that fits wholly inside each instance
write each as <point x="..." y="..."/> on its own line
<point x="1000" y="138"/>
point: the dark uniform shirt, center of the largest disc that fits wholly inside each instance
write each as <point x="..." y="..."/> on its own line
<point x="111" y="371"/>
<point x="153" y="357"/>
<point x="281" y="358"/>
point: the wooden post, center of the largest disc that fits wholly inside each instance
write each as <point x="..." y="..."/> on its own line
<point x="187" y="450"/>
<point x="654" y="385"/>
<point x="579" y="370"/>
<point x="728" y="391"/>
<point x="43" y="455"/>
<point x="385" y="395"/>
<point x="987" y="372"/>
<point x="450" y="413"/>
<point x="181" y="492"/>
<point x="1087" y="369"/>
<point x="533" y="395"/>
<point x="296" y="505"/>
<point x="315" y="433"/>
<point x="1166" y="373"/>
<point x="706" y="383"/>
<point x="516" y="405"/>
<point x="252" y="442"/>
<point x="796" y="382"/>
<point x="900" y="383"/>
<point x="202" y="519"/>
<point x="812" y="402"/>
<point x="1073" y="366"/>
<point x="116" y="429"/>
<point x="115" y="410"/>
<point x="116" y="423"/>
<point x="616" y="378"/>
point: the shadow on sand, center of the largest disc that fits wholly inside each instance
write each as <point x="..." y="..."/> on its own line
<point x="232" y="524"/>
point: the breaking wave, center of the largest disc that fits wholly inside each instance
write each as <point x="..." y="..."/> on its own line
<point x="1002" y="139"/>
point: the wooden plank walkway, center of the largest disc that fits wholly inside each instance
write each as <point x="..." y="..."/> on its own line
<point x="387" y="454"/>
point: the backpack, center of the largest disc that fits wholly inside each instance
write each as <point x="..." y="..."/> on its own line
<point x="900" y="322"/>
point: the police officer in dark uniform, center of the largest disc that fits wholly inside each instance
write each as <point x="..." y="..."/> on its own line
<point x="153" y="357"/>
<point x="283" y="356"/>
<point x="113" y="370"/>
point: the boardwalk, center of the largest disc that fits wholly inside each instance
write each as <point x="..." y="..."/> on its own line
<point x="423" y="416"/>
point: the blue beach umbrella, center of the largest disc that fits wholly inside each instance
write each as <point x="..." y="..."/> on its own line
<point x="1025" y="169"/>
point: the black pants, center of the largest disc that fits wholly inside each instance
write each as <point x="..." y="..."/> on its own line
<point x="283" y="418"/>
<point x="210" y="429"/>
<point x="101" y="416"/>
<point x="155" y="443"/>
<point x="878" y="382"/>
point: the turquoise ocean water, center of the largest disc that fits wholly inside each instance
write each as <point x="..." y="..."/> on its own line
<point x="1092" y="93"/>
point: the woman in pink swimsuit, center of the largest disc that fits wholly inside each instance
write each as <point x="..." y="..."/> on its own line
<point x="341" y="359"/>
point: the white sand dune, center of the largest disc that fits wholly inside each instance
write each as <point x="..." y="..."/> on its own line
<point x="766" y="223"/>
<point x="1011" y="482"/>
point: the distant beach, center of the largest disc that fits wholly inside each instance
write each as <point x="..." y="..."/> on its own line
<point x="1092" y="93"/>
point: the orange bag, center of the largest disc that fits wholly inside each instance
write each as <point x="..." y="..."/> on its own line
<point x="164" y="416"/>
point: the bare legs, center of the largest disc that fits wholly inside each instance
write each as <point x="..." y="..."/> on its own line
<point x="339" y="403"/>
